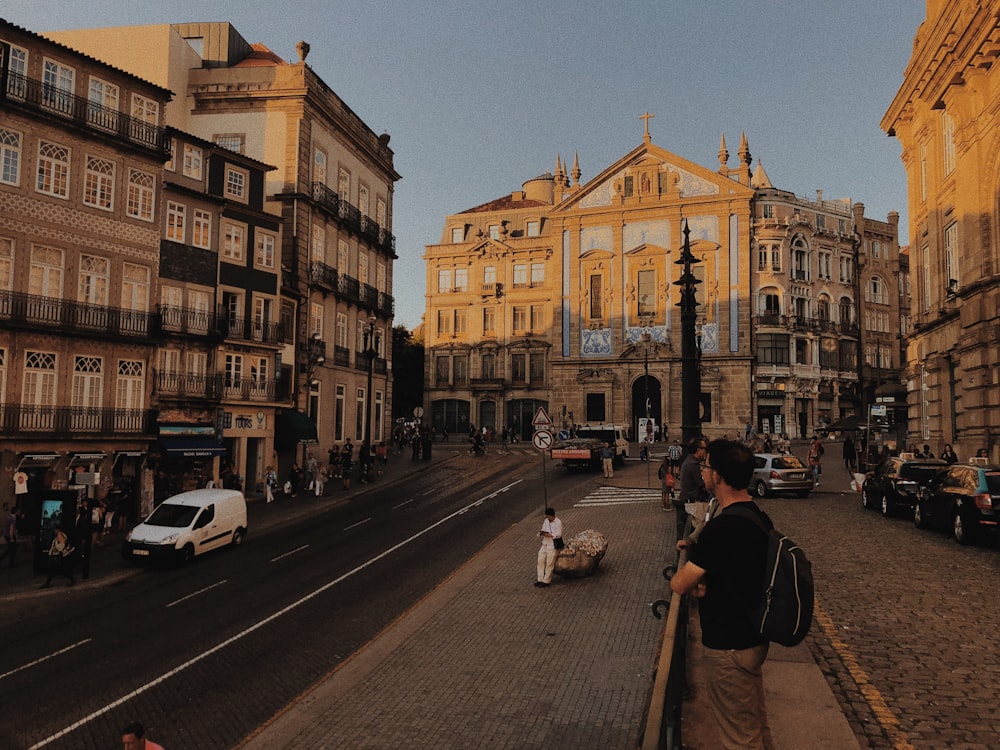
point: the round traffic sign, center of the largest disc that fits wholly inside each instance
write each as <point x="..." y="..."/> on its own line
<point x="542" y="440"/>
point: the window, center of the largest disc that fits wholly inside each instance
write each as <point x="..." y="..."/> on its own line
<point x="923" y="172"/>
<point x="38" y="392"/>
<point x="489" y="277"/>
<point x="364" y="202"/>
<point x="461" y="321"/>
<point x="380" y="276"/>
<point x="236" y="183"/>
<point x="130" y="389"/>
<point x="518" y="371"/>
<point x="197" y="364"/>
<point x="442" y="369"/>
<point x="846" y="270"/>
<point x="444" y="280"/>
<point x="824" y="265"/>
<point x="192" y="161"/>
<point x="646" y="293"/>
<point x="823" y="309"/>
<point x="317" y="244"/>
<point x="145" y="110"/>
<point x="175" y="221"/>
<point x="363" y="267"/>
<point x="534" y="228"/>
<point x="820" y="221"/>
<point x="94" y="280"/>
<point x="772" y="348"/>
<point x="488" y="365"/>
<point x="846" y="311"/>
<point x="319" y="166"/>
<point x="876" y="249"/>
<point x="264" y="251"/>
<point x="457" y="234"/>
<point x="53" y="169"/>
<point x="595" y="408"/>
<point x="596" y="310"/>
<point x="234" y="370"/>
<point x="18" y="67"/>
<point x="537" y="318"/>
<point x="770" y="304"/>
<point x="460" y="370"/>
<point x="135" y="287"/>
<point x="344" y="185"/>
<point x="828" y="358"/>
<point x="925" y="269"/>
<point x="233" y="242"/>
<point x="140" y="195"/>
<point x="520" y="275"/>
<point x="876" y="291"/>
<point x="262" y="315"/>
<point x="6" y="264"/>
<point x="520" y="318"/>
<point x="343" y="257"/>
<point x="341" y="332"/>
<point x="380" y="220"/>
<point x="46" y="274"/>
<point x="99" y="183"/>
<point x="316" y="320"/>
<point x="444" y="322"/>
<point x="201" y="235"/>
<point x="57" y="85"/>
<point x="339" y="411"/>
<point x="948" y="145"/>
<point x="10" y="157"/>
<point x="951" y="270"/>
<point x="536" y="367"/>
<point x="232" y="141"/>
<point x="461" y="279"/>
<point x="768" y="209"/>
<point x="489" y="320"/>
<point x="800" y="259"/>
<point x="494" y="231"/>
<point x="537" y="274"/>
<point x="776" y="258"/>
<point x="88" y="386"/>
<point x="762" y="257"/>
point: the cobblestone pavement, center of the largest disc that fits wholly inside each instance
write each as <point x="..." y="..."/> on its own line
<point x="906" y="622"/>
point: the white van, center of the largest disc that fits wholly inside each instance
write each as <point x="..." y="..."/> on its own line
<point x="188" y="524"/>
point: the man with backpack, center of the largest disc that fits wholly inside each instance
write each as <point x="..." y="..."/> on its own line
<point x="726" y="571"/>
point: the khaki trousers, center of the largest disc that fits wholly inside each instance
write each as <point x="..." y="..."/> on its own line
<point x="736" y="690"/>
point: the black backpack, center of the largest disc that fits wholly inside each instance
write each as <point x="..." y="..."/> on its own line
<point x="785" y="611"/>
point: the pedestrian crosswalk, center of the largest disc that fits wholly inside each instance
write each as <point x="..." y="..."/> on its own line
<point x="619" y="496"/>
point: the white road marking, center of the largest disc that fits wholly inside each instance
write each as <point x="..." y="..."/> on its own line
<point x="618" y="496"/>
<point x="44" y="658"/>
<point x="290" y="552"/>
<point x="355" y="525"/>
<point x="256" y="626"/>
<point x="405" y="502"/>
<point x="196" y="593"/>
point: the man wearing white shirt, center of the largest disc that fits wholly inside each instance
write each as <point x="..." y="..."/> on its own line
<point x="551" y="529"/>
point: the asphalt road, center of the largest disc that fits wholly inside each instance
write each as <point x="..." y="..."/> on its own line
<point x="208" y="652"/>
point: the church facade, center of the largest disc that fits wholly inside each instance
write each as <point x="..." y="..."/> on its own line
<point x="563" y="296"/>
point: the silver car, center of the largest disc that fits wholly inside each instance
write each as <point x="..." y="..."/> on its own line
<point x="780" y="472"/>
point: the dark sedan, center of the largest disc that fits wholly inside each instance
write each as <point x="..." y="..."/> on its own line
<point x="965" y="497"/>
<point x="896" y="482"/>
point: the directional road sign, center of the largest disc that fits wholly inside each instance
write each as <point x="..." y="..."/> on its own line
<point x="542" y="440"/>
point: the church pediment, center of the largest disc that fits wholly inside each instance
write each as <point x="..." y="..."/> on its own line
<point x="490" y="248"/>
<point x="648" y="174"/>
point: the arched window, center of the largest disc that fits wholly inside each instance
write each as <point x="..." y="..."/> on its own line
<point x="800" y="258"/>
<point x="876" y="290"/>
<point x="846" y="311"/>
<point x="823" y="308"/>
<point x="769" y="302"/>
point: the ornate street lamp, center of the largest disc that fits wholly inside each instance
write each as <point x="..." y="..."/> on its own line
<point x="690" y="372"/>
<point x="371" y="349"/>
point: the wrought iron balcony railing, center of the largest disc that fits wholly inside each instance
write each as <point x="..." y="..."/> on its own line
<point x="245" y="329"/>
<point x="188" y="386"/>
<point x="32" y="311"/>
<point x="46" y="98"/>
<point x="189" y="321"/>
<point x="69" y="421"/>
<point x="352" y="219"/>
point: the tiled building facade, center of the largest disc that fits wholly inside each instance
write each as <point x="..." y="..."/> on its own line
<point x="83" y="148"/>
<point x="945" y="117"/>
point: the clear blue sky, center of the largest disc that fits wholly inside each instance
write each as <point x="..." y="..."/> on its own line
<point x="479" y="97"/>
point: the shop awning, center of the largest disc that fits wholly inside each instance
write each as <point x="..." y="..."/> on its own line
<point x="292" y="427"/>
<point x="86" y="458"/>
<point x="192" y="447"/>
<point x="30" y="460"/>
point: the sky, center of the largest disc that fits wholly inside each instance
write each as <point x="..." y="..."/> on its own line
<point x="480" y="97"/>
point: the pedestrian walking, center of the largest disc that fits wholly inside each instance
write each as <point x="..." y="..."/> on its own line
<point x="850" y="454"/>
<point x="270" y="482"/>
<point x="667" y="481"/>
<point x="319" y="483"/>
<point x="134" y="738"/>
<point x="725" y="571"/>
<point x="551" y="533"/>
<point x="815" y="458"/>
<point x="346" y="463"/>
<point x="294" y="480"/>
<point x="674" y="455"/>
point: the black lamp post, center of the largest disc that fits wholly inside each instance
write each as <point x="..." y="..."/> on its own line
<point x="690" y="372"/>
<point x="371" y="349"/>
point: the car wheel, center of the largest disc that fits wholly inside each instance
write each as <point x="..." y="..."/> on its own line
<point x="866" y="498"/>
<point x="960" y="530"/>
<point x="187" y="554"/>
<point x="918" y="517"/>
<point x="887" y="506"/>
<point x="238" y="537"/>
<point x="760" y="489"/>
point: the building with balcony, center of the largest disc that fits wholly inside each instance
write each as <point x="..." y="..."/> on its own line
<point x="219" y="355"/>
<point x="82" y="148"/>
<point x="826" y="313"/>
<point x="945" y="117"/>
<point x="333" y="187"/>
<point x="563" y="295"/>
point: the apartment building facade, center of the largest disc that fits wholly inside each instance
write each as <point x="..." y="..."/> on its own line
<point x="333" y="188"/>
<point x="945" y="117"/>
<point x="83" y="149"/>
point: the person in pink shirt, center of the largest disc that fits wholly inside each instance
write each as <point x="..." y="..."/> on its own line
<point x="134" y="738"/>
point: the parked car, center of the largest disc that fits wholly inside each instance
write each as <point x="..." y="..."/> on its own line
<point x="964" y="496"/>
<point x="776" y="472"/>
<point x="895" y="483"/>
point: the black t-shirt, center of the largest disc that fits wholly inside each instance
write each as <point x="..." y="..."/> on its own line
<point x="732" y="550"/>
